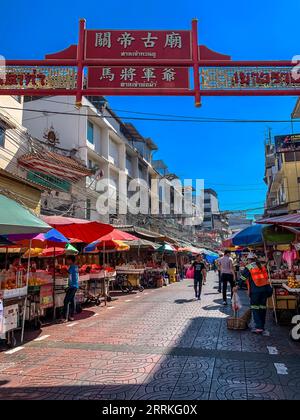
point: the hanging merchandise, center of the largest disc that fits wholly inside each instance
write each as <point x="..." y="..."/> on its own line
<point x="290" y="257"/>
<point x="277" y="256"/>
<point x="1" y="315"/>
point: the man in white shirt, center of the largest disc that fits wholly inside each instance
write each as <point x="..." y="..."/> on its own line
<point x="227" y="274"/>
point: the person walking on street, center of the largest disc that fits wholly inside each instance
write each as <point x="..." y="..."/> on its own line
<point x="199" y="275"/>
<point x="256" y="276"/>
<point x="227" y="274"/>
<point x="69" y="302"/>
<point x="219" y="273"/>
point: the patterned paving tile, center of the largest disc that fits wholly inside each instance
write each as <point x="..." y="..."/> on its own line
<point x="161" y="349"/>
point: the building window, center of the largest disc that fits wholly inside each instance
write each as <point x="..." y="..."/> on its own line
<point x="88" y="209"/>
<point x="90" y="164"/>
<point x="90" y="132"/>
<point x="2" y="136"/>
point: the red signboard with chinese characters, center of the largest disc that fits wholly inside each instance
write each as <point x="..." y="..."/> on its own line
<point x="146" y="62"/>
<point x="136" y="45"/>
<point x="136" y="77"/>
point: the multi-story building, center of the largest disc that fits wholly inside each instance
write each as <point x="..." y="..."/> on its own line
<point x="13" y="144"/>
<point x="238" y="221"/>
<point x="95" y="135"/>
<point x="211" y="208"/>
<point x="282" y="174"/>
<point x="296" y="111"/>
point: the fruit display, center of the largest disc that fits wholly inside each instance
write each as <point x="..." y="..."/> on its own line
<point x="13" y="278"/>
<point x="293" y="283"/>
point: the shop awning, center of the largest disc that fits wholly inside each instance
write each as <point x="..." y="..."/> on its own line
<point x="85" y="230"/>
<point x="141" y="232"/>
<point x="16" y="219"/>
<point x="286" y="220"/>
<point x="144" y="244"/>
<point x="54" y="164"/>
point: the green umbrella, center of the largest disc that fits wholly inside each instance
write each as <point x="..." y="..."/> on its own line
<point x="71" y="250"/>
<point x="16" y="219"/>
<point x="166" y="248"/>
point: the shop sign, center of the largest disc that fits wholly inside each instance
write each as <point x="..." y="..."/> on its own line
<point x="263" y="78"/>
<point x="49" y="181"/>
<point x="138" y="77"/>
<point x="21" y="77"/>
<point x="132" y="45"/>
<point x="288" y="142"/>
<point x="46" y="296"/>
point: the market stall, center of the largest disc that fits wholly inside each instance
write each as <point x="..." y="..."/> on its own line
<point x="284" y="265"/>
<point x="16" y="220"/>
<point x="273" y="244"/>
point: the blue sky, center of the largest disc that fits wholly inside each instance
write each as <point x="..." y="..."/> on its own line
<point x="230" y="157"/>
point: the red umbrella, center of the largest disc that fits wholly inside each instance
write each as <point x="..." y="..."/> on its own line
<point x="227" y="243"/>
<point x="85" y="230"/>
<point x="118" y="235"/>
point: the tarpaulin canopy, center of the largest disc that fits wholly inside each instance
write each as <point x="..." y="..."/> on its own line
<point x="278" y="235"/>
<point x="143" y="243"/>
<point x="285" y="220"/>
<point x="16" y="219"/>
<point x="85" y="230"/>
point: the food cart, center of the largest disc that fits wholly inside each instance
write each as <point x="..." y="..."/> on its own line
<point x="99" y="286"/>
<point x="131" y="275"/>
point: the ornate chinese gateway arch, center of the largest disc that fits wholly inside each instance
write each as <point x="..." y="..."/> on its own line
<point x="146" y="62"/>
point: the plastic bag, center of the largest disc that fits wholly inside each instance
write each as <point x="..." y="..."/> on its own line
<point x="236" y="303"/>
<point x="190" y="273"/>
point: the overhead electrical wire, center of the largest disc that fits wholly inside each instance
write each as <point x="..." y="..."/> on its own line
<point x="165" y="119"/>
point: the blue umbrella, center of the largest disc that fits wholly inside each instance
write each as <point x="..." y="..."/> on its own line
<point x="252" y="235"/>
<point x="54" y="235"/>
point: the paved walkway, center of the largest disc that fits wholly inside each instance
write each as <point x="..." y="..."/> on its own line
<point x="158" y="344"/>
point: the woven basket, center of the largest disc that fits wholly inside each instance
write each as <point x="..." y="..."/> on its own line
<point x="239" y="323"/>
<point x="236" y="324"/>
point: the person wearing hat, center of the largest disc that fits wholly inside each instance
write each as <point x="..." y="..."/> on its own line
<point x="256" y="276"/>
